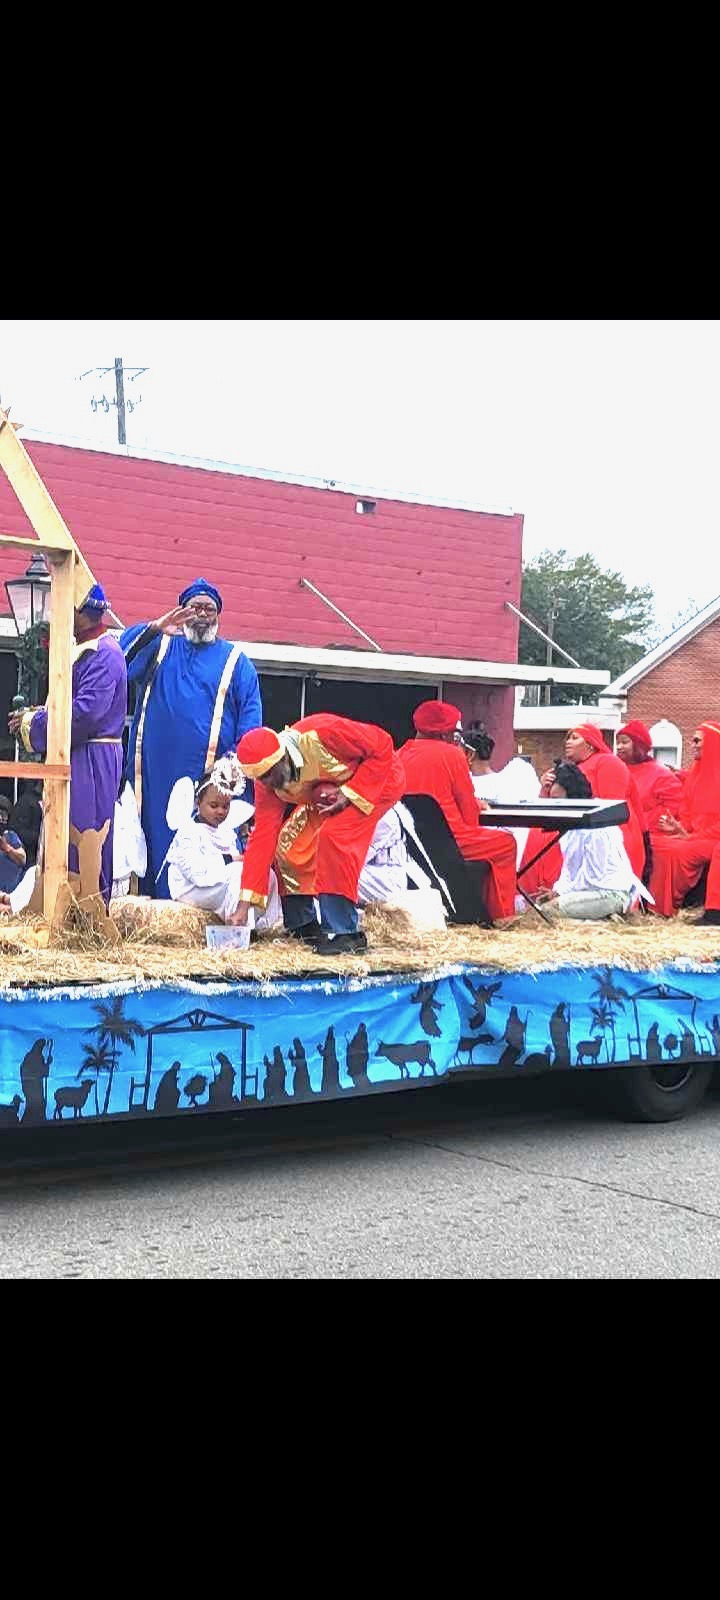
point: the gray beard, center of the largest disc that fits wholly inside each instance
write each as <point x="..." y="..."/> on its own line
<point x="200" y="635"/>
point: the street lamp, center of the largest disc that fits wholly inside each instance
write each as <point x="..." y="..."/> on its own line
<point x="29" y="597"/>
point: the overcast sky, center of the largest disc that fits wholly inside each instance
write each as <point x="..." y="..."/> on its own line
<point x="604" y="434"/>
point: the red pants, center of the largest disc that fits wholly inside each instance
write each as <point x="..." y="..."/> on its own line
<point x="677" y="865"/>
<point x="498" y="849"/>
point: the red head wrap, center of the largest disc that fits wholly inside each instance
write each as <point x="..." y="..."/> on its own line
<point x="702" y="785"/>
<point x="592" y="736"/>
<point x="638" y="733"/>
<point x="436" y="716"/>
<point x="259" y="750"/>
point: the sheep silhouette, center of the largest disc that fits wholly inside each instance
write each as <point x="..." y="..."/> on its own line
<point x="9" y="1113"/>
<point x="75" y="1097"/>
<point x="466" y="1045"/>
<point x="590" y="1048"/>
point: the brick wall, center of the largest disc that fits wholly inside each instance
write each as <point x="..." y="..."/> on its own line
<point x="685" y="687"/>
<point x="543" y="745"/>
<point x="494" y="706"/>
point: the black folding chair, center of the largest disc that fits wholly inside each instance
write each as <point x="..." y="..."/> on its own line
<point x="466" y="880"/>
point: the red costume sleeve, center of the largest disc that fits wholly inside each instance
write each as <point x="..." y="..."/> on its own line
<point x="611" y="779"/>
<point x="462" y="785"/>
<point x="261" y="847"/>
<point x="668" y="792"/>
<point x="360" y="744"/>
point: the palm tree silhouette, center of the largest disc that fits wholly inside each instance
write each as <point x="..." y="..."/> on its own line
<point x="602" y="1020"/>
<point x="96" y="1059"/>
<point x="670" y="1043"/>
<point x="114" y="1029"/>
<point x="609" y="995"/>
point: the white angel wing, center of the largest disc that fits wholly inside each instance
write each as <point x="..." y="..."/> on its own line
<point x="180" y="803"/>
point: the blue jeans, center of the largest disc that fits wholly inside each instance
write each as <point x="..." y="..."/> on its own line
<point x="337" y="914"/>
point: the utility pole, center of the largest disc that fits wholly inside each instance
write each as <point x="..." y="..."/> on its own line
<point x="549" y="649"/>
<point x="120" y="399"/>
<point x="103" y="404"/>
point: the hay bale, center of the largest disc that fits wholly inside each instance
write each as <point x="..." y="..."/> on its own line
<point x="160" y="921"/>
<point x="404" y="915"/>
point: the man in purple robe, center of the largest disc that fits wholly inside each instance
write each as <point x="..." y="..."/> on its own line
<point x="99" y="707"/>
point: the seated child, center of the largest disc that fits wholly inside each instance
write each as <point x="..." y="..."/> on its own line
<point x="205" y="858"/>
<point x="596" y="879"/>
<point x="385" y="869"/>
<point x="13" y="858"/>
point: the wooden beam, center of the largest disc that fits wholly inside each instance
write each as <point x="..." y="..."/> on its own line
<point x="39" y="506"/>
<point x="25" y="544"/>
<point x="59" y="703"/>
<point x="32" y="769"/>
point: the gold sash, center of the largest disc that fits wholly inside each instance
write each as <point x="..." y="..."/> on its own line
<point x="223" y="686"/>
<point x="164" y="646"/>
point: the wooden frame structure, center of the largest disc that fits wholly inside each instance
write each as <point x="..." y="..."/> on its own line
<point x="70" y="582"/>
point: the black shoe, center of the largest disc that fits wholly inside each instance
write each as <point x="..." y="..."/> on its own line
<point x="709" y="919"/>
<point x="308" y="933"/>
<point x="340" y="944"/>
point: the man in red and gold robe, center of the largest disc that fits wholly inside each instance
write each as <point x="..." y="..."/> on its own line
<point x="435" y="765"/>
<point x="318" y="844"/>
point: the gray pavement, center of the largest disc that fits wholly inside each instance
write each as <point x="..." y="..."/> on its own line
<point x="558" y="1194"/>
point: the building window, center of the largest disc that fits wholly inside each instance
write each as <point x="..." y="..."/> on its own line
<point x="365" y="508"/>
<point x="667" y="742"/>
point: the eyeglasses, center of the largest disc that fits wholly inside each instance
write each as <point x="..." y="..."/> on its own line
<point x="205" y="611"/>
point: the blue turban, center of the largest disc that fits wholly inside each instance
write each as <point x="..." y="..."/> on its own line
<point x="96" y="601"/>
<point x="200" y="586"/>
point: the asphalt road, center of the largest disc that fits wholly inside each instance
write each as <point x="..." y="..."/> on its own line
<point x="535" y="1183"/>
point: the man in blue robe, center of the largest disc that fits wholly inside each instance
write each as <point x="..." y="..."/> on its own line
<point x="196" y="695"/>
<point x="99" y="707"/>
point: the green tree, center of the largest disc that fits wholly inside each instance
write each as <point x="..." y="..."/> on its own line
<point x="591" y="613"/>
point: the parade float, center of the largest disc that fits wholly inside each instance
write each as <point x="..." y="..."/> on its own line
<point x="130" y="1014"/>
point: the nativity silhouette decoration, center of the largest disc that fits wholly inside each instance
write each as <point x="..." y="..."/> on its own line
<point x="598" y="1030"/>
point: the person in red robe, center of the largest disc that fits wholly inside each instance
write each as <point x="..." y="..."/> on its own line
<point x="435" y="765"/>
<point x="660" y="789"/>
<point x="610" y="779"/>
<point x="318" y="843"/>
<point x="682" y="846"/>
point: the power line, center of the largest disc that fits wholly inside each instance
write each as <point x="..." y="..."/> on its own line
<point x="122" y="404"/>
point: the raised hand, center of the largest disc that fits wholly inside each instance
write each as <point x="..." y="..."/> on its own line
<point x="173" y="621"/>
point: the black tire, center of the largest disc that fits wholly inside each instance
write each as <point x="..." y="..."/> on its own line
<point x="659" y="1093"/>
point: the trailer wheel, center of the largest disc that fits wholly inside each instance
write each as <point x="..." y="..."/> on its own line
<point x="661" y="1093"/>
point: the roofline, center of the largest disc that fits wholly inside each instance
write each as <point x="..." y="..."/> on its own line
<point x="666" y="647"/>
<point x="202" y="464"/>
<point x="373" y="664"/>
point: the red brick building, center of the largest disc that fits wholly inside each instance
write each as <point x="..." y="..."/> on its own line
<point x="425" y="585"/>
<point x="675" y="686"/>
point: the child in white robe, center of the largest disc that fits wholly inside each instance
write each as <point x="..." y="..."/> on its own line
<point x="385" y="871"/>
<point x="205" y="861"/>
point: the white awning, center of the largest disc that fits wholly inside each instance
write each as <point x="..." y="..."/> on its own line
<point x="372" y="665"/>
